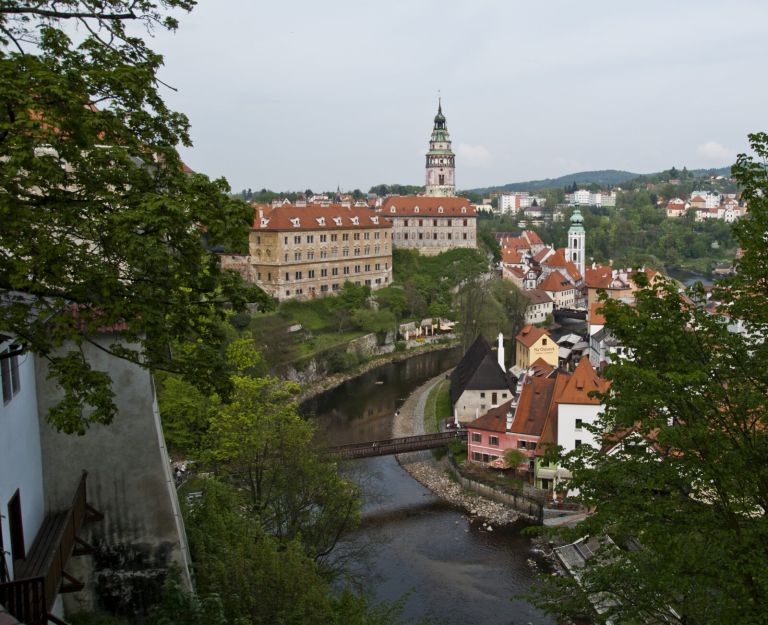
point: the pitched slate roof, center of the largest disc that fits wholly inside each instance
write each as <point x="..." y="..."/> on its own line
<point x="537" y="296"/>
<point x="478" y="370"/>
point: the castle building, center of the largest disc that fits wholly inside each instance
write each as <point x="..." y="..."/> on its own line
<point x="300" y="252"/>
<point x="431" y="225"/>
<point x="439" y="220"/>
<point x="441" y="165"/>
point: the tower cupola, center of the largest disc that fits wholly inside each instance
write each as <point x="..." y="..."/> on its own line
<point x="441" y="166"/>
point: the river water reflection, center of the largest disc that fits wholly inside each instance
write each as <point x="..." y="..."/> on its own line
<point x="411" y="541"/>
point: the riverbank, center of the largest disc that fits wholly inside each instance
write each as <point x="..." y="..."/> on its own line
<point x="409" y="421"/>
<point x="337" y="379"/>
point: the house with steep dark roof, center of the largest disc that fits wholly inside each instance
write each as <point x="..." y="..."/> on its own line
<point x="478" y="383"/>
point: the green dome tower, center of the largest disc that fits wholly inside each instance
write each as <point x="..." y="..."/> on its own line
<point x="441" y="166"/>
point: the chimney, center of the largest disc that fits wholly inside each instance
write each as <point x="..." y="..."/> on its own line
<point x="500" y="353"/>
<point x="510" y="416"/>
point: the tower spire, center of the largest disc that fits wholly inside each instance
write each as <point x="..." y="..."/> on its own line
<point x="440" y="175"/>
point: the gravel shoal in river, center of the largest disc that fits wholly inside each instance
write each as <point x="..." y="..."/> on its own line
<point x="409" y="421"/>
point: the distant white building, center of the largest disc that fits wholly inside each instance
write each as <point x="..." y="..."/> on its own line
<point x="584" y="197"/>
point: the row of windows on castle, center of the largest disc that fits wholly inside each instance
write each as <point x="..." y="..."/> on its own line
<point x="421" y="236"/>
<point x="334" y="253"/>
<point x="311" y="274"/>
<point x="324" y="238"/>
<point x="324" y="288"/>
<point x="435" y="222"/>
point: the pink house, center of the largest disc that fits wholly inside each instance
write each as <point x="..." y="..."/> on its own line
<point x="516" y="424"/>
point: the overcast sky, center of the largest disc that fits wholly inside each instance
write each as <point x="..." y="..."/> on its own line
<point x="296" y="94"/>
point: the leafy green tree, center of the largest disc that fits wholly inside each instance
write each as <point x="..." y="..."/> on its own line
<point x="684" y="498"/>
<point x="179" y="607"/>
<point x="262" y="443"/>
<point x="378" y="321"/>
<point x="478" y="311"/>
<point x="257" y="579"/>
<point x="393" y="299"/>
<point x="100" y="221"/>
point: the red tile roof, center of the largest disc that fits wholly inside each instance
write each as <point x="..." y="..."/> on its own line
<point x="556" y="281"/>
<point x="540" y="368"/>
<point x="595" y="317"/>
<point x="495" y="420"/>
<point x="407" y="205"/>
<point x="549" y="431"/>
<point x="316" y="217"/>
<point x="583" y="381"/>
<point x="542" y="254"/>
<point x="533" y="237"/>
<point x="530" y="334"/>
<point x="558" y="259"/>
<point x="533" y="407"/>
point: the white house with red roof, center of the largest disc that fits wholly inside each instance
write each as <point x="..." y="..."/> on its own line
<point x="540" y="306"/>
<point x="560" y="289"/>
<point x="552" y="408"/>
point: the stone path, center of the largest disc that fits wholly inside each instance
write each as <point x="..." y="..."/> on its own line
<point x="424" y="469"/>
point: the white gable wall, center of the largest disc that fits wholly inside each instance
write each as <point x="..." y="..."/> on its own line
<point x="474" y="404"/>
<point x="20" y="457"/>
<point x="567" y="434"/>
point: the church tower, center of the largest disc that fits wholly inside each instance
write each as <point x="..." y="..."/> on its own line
<point x="440" y="159"/>
<point x="577" y="239"/>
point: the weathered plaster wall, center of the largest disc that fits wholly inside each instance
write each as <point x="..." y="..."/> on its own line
<point x="129" y="481"/>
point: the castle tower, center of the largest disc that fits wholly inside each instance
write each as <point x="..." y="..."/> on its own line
<point x="441" y="167"/>
<point x="577" y="239"/>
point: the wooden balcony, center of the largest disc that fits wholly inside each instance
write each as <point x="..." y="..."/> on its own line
<point x="41" y="576"/>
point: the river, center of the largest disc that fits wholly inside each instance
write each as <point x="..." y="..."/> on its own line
<point x="411" y="544"/>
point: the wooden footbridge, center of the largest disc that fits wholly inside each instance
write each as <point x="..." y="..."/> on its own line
<point x="391" y="446"/>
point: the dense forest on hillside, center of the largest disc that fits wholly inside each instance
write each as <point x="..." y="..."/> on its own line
<point x="604" y="178"/>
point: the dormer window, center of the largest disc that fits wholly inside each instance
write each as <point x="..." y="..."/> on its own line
<point x="296" y="222"/>
<point x="463" y="209"/>
<point x="355" y="221"/>
<point x="321" y="221"/>
<point x="375" y="220"/>
<point x="264" y="222"/>
<point x="440" y="209"/>
<point x="392" y="209"/>
<point x="337" y="221"/>
<point x="416" y="209"/>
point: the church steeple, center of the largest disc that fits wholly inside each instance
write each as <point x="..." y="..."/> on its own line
<point x="577" y="239"/>
<point x="440" y="175"/>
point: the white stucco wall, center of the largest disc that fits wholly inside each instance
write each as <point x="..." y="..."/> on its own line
<point x="567" y="433"/>
<point x="20" y="457"/>
<point x="474" y="404"/>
